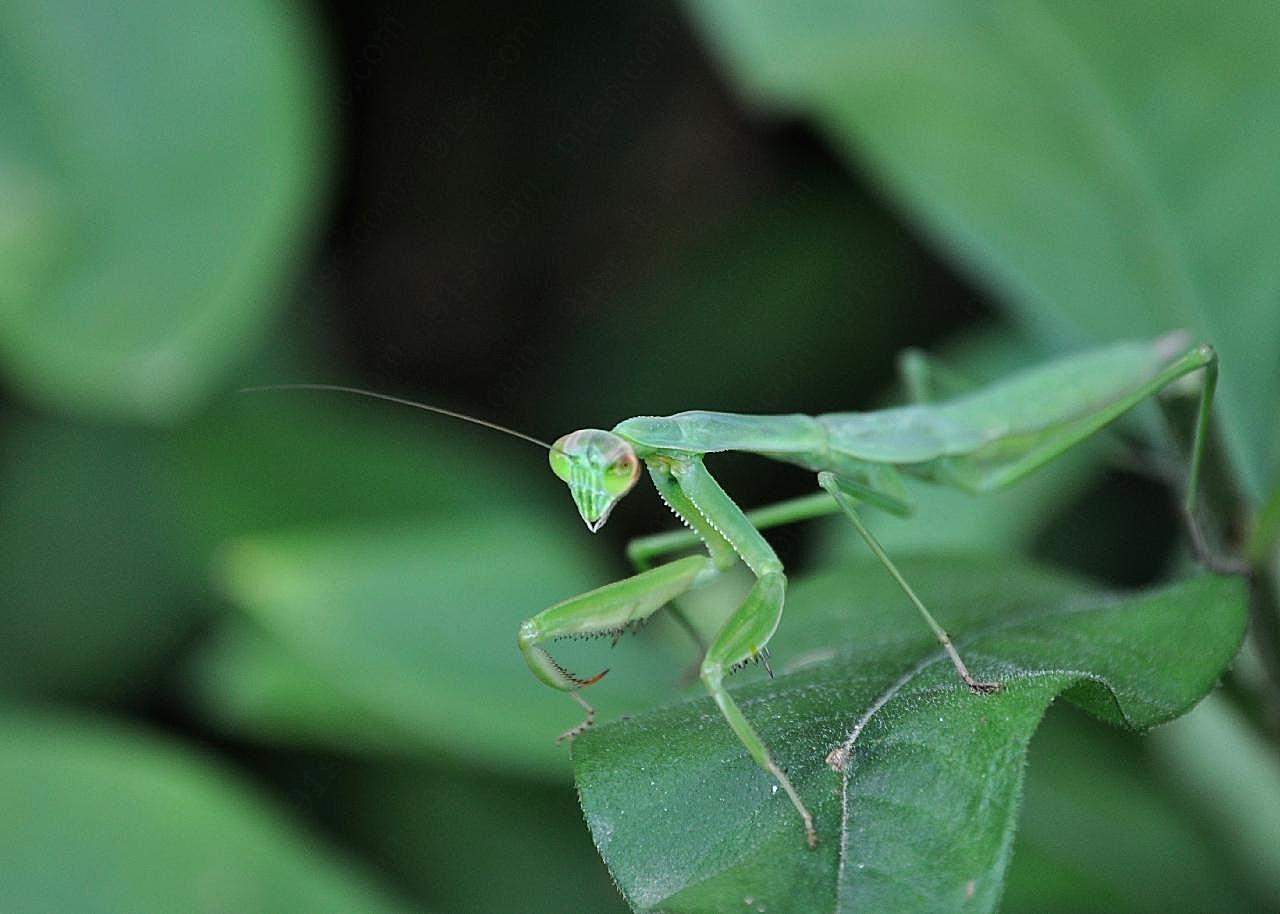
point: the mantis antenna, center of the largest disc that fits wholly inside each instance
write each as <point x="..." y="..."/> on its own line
<point x="403" y="402"/>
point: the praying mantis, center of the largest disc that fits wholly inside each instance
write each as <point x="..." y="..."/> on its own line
<point x="981" y="441"/>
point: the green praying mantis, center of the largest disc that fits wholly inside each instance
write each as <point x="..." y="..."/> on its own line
<point x="979" y="442"/>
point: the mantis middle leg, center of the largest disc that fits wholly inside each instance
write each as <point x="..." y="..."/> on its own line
<point x="645" y="549"/>
<point x="925" y="379"/>
<point x="847" y="502"/>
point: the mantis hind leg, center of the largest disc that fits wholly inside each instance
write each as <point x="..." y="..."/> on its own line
<point x="1202" y="357"/>
<point x="847" y="502"/>
<point x="1204" y="552"/>
<point x="926" y="380"/>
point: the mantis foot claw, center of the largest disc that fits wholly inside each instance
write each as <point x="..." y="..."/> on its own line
<point x="983" y="688"/>
<point x="573" y="732"/>
<point x="576" y="731"/>
<point x="810" y="836"/>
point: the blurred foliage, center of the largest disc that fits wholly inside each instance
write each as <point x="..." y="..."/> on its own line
<point x="100" y="818"/>
<point x="1104" y="830"/>
<point x="164" y="160"/>
<point x="1138" y="140"/>
<point x="257" y="652"/>
<point x="92" y="559"/>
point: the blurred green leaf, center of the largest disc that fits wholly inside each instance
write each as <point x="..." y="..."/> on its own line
<point x="1098" y="833"/>
<point x="92" y="558"/>
<point x="291" y="459"/>
<point x="248" y="684"/>
<point x="1265" y="533"/>
<point x="1232" y="776"/>
<point x="104" y="819"/>
<point x="388" y="568"/>
<point x="788" y="286"/>
<point x="418" y="621"/>
<point x="163" y="159"/>
<point x="1109" y="170"/>
<point x="475" y="843"/>
<point x="922" y="818"/>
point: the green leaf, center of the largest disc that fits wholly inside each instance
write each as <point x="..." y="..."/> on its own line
<point x="417" y="623"/>
<point x="104" y="819"/>
<point x="1232" y="775"/>
<point x="163" y="159"/>
<point x="92" y="560"/>
<point x="289" y="459"/>
<point x="384" y="563"/>
<point x="1098" y="831"/>
<point x="1264" y="536"/>
<point x="245" y="682"/>
<point x="1108" y="170"/>
<point x="495" y="844"/>
<point x="922" y="817"/>
<point x="785" y="283"/>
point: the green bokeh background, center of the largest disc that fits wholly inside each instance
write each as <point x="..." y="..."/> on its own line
<point x="257" y="651"/>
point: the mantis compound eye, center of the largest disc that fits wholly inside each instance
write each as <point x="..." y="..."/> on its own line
<point x="621" y="474"/>
<point x="560" y="460"/>
<point x="599" y="467"/>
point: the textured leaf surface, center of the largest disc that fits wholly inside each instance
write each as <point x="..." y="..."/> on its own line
<point x="921" y="819"/>
<point x="1109" y="170"/>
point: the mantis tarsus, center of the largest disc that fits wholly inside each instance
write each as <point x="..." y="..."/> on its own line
<point x="978" y="442"/>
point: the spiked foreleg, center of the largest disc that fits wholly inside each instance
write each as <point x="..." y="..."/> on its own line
<point x="607" y="610"/>
<point x="745" y="635"/>
<point x="741" y="641"/>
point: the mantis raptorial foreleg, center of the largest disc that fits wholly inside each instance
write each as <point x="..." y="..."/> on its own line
<point x="744" y="636"/>
<point x="607" y="610"/>
<point x="697" y="498"/>
<point x="643" y="550"/>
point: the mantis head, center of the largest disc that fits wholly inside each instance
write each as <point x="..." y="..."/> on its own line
<point x="600" y="468"/>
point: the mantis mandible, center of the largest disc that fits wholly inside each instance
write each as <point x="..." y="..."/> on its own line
<point x="979" y="442"/>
